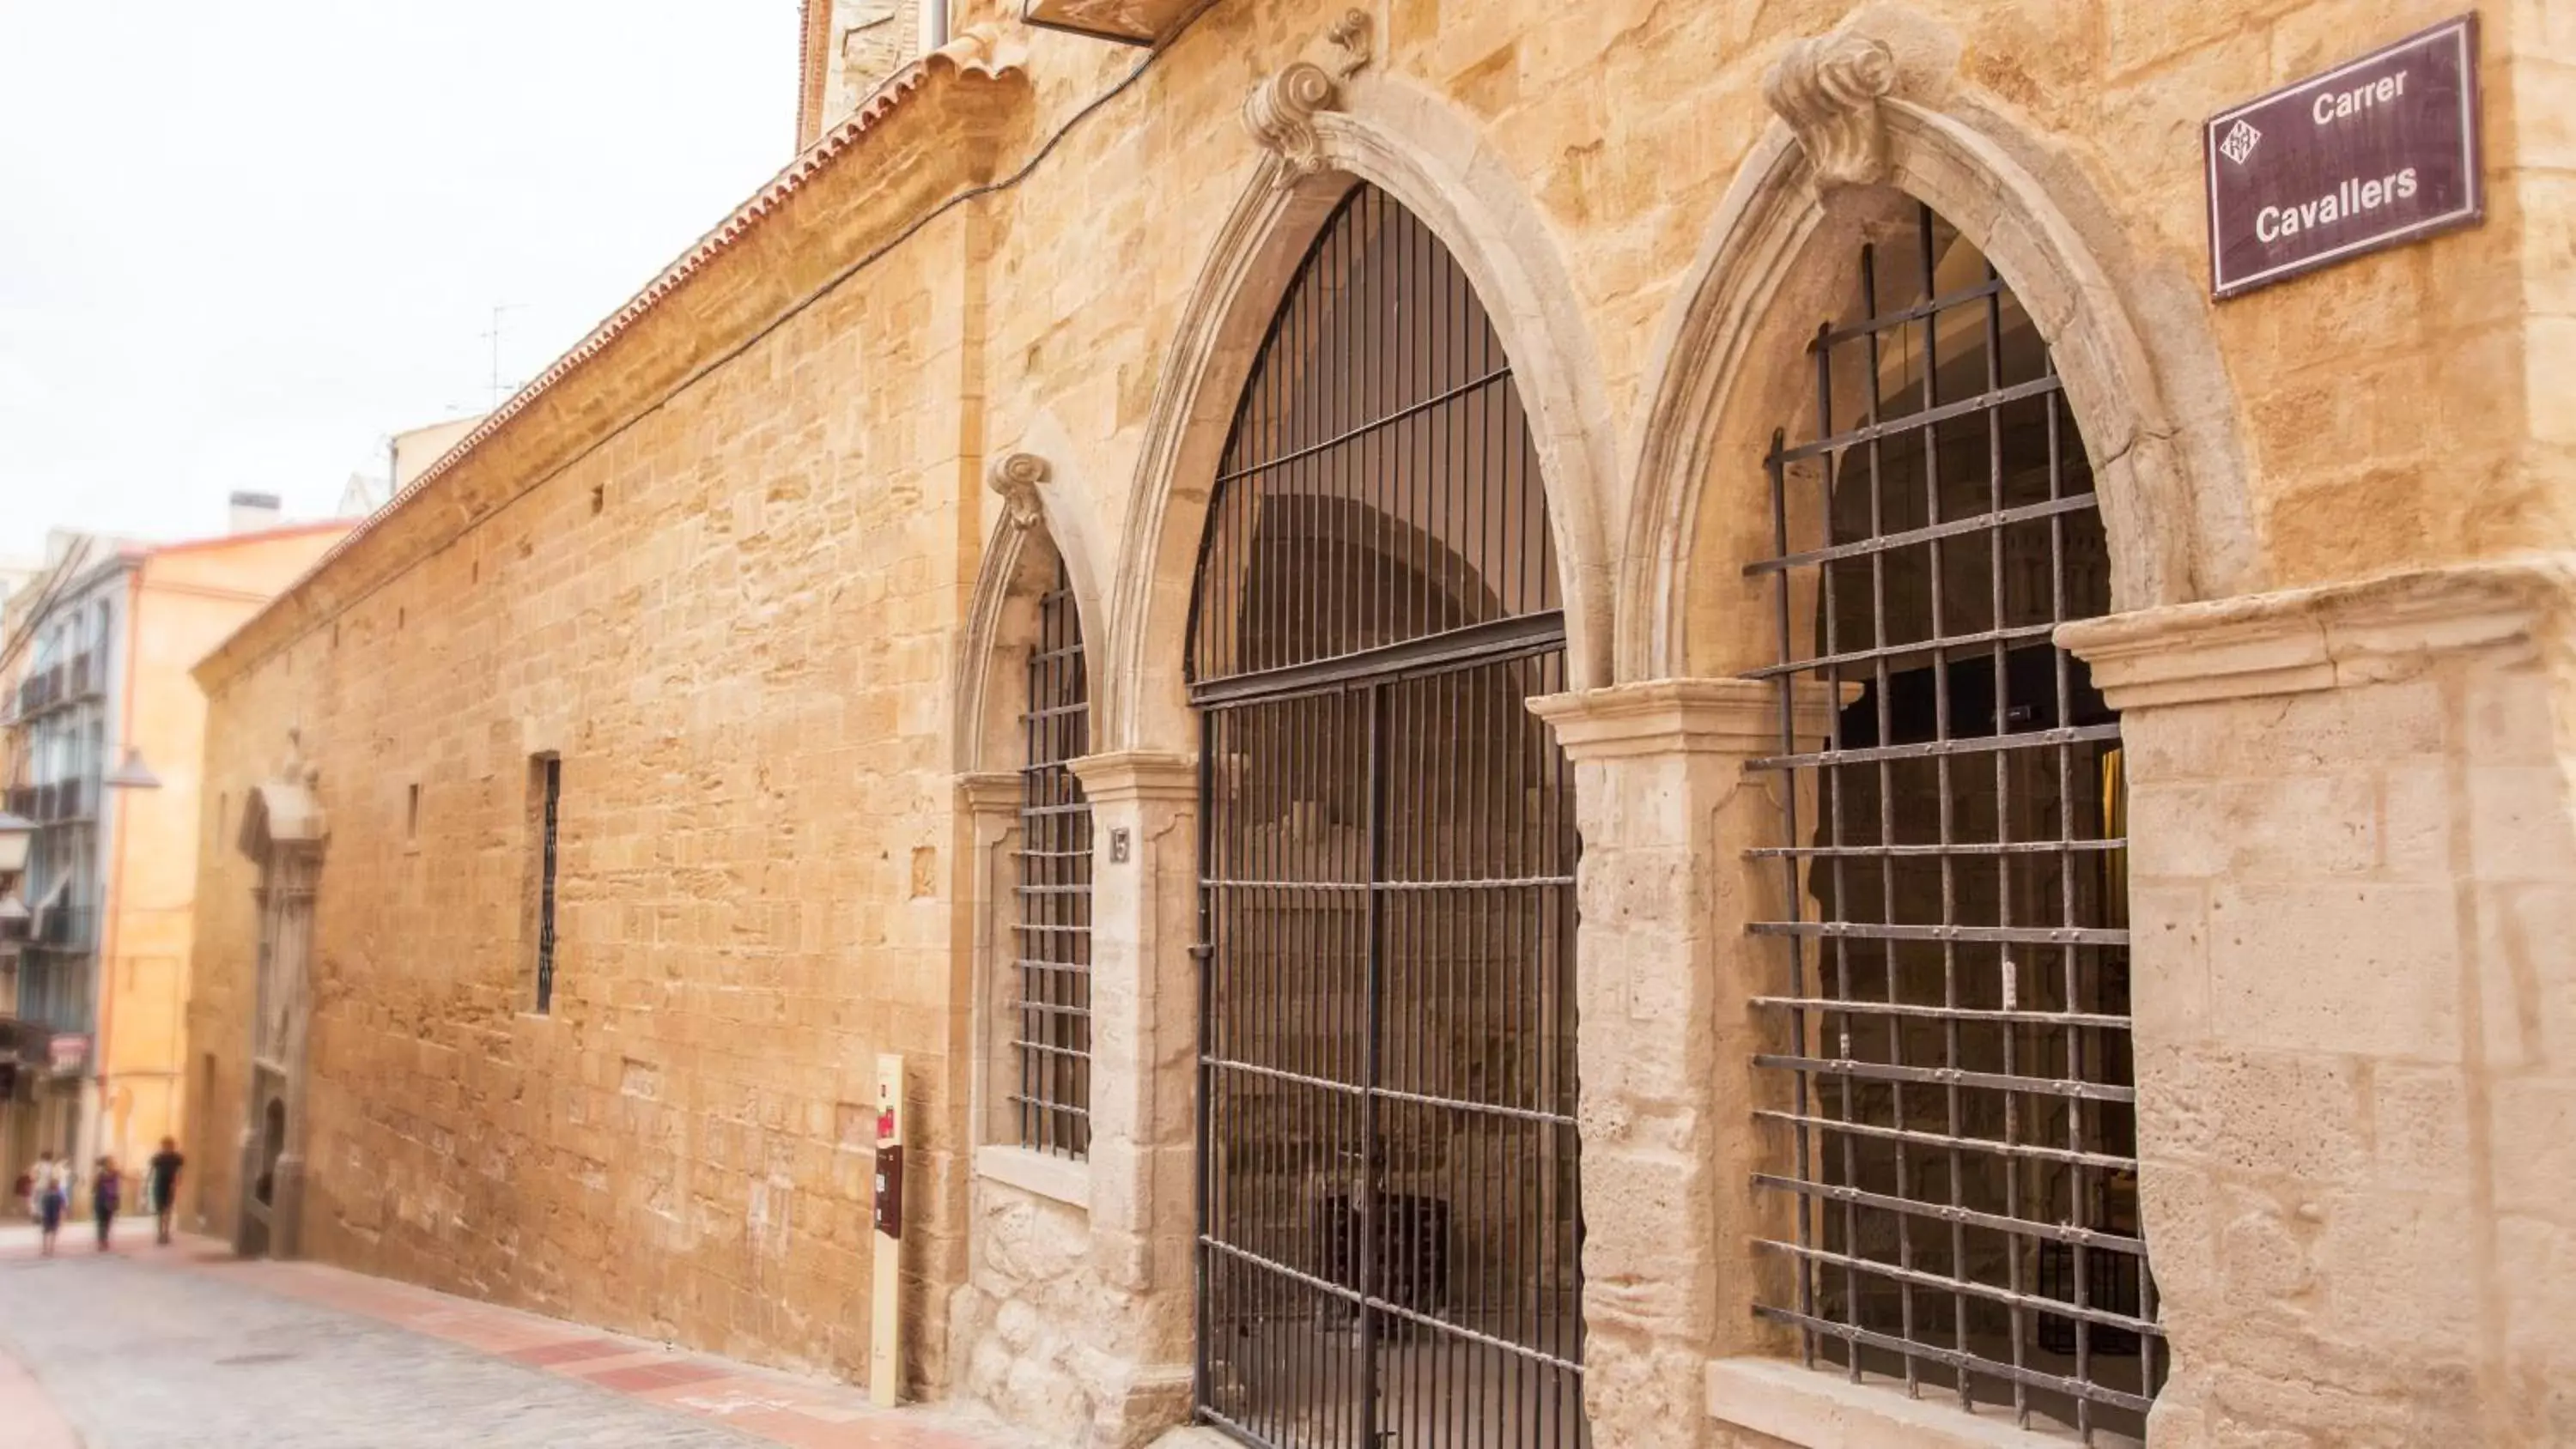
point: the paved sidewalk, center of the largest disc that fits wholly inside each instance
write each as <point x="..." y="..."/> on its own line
<point x="186" y="1347"/>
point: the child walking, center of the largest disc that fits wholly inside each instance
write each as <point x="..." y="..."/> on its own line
<point x="106" y="1195"/>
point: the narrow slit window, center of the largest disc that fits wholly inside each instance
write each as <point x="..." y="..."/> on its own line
<point x="547" y="778"/>
<point x="1948" y="1053"/>
<point x="1051" y="1098"/>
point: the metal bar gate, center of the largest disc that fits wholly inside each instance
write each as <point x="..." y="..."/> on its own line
<point x="1388" y="1183"/>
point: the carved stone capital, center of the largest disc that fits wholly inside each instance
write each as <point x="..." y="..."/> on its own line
<point x="1016" y="477"/>
<point x="1828" y="89"/>
<point x="1684" y="716"/>
<point x="2337" y="636"/>
<point x="1280" y="113"/>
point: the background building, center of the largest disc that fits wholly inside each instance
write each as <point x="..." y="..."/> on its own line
<point x="97" y="655"/>
<point x="1622" y="724"/>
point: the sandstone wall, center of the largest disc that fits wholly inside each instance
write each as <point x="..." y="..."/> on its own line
<point x="729" y="622"/>
<point x="732" y="607"/>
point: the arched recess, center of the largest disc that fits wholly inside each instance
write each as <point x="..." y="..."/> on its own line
<point x="1388" y="1157"/>
<point x="1034" y="535"/>
<point x="1021" y="695"/>
<point x="283" y="830"/>
<point x="1430" y="160"/>
<point x="2173" y="491"/>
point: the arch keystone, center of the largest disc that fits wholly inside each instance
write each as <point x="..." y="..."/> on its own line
<point x="1828" y="89"/>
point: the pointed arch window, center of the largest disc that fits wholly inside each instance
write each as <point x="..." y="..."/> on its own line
<point x="1955" y="1200"/>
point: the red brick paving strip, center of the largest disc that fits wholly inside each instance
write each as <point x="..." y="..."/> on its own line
<point x="645" y="1376"/>
<point x="28" y="1419"/>
<point x="544" y="1354"/>
<point x="809" y="1413"/>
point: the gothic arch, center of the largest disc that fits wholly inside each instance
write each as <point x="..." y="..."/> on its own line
<point x="2171" y="476"/>
<point x="284" y="830"/>
<point x="1325" y="136"/>
<point x="1035" y="528"/>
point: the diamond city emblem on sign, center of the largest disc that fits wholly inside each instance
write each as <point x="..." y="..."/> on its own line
<point x="2240" y="143"/>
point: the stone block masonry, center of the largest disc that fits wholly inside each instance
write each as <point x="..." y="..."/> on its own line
<point x="734" y="565"/>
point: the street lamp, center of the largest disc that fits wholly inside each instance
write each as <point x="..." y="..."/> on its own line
<point x="15" y="832"/>
<point x="132" y="775"/>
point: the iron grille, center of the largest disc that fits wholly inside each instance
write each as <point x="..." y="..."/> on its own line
<point x="1053" y="1103"/>
<point x="553" y="770"/>
<point x="1957" y="1120"/>
<point x="1389" y="1184"/>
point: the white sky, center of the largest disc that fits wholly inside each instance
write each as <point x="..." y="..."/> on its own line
<point x="242" y="243"/>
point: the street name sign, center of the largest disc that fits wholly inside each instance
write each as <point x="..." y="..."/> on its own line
<point x="2374" y="153"/>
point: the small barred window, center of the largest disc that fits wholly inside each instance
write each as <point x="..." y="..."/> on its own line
<point x="1051" y="1099"/>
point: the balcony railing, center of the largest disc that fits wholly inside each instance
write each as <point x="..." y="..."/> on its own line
<point x="53" y="1002"/>
<point x="66" y="928"/>
<point x="54" y="802"/>
<point x="40" y="690"/>
<point x="24" y="1040"/>
<point x="75" y="679"/>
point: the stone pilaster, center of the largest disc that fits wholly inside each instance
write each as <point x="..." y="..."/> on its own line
<point x="1144" y="1033"/>
<point x="988" y="823"/>
<point x="2353" y="908"/>
<point x="1667" y="811"/>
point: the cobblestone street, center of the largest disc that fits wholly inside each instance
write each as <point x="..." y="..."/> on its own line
<point x="184" y="1348"/>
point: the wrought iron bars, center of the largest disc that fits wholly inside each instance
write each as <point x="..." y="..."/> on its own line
<point x="551" y="771"/>
<point x="1389" y="1239"/>
<point x="1053" y="949"/>
<point x="1391" y="1163"/>
<point x="1956" y="1204"/>
<point x="1381" y="486"/>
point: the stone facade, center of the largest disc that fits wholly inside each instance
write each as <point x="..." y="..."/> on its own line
<point x="734" y="562"/>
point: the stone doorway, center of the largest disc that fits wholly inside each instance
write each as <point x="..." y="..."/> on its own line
<point x="1388" y="1160"/>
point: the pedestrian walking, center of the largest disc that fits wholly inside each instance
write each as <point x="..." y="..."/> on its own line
<point x="106" y="1194"/>
<point x="164" y="1182"/>
<point x="49" y="1189"/>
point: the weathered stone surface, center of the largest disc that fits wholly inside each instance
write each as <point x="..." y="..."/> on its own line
<point x="738" y="566"/>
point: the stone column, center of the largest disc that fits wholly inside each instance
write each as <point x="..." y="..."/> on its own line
<point x="1667" y="811"/>
<point x="2353" y="908"/>
<point x="1144" y="1040"/>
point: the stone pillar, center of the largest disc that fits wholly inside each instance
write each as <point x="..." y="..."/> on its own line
<point x="988" y="826"/>
<point x="1666" y="1040"/>
<point x="250" y="1216"/>
<point x="1144" y="1044"/>
<point x="2353" y="908"/>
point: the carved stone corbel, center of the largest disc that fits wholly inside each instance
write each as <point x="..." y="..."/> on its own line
<point x="1828" y="89"/>
<point x="1355" y="36"/>
<point x="1016" y="477"/>
<point x="1280" y="113"/>
<point x="985" y="50"/>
